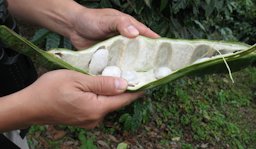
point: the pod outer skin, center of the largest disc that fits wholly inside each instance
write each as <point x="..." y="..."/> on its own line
<point x="236" y="61"/>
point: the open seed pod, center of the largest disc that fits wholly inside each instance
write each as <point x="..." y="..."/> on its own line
<point x="142" y="61"/>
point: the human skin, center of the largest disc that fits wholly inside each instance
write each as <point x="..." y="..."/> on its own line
<point x="83" y="26"/>
<point x="63" y="96"/>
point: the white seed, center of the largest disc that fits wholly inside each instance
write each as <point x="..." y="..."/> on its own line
<point x="113" y="71"/>
<point x="162" y="72"/>
<point x="129" y="76"/>
<point x="201" y="60"/>
<point x="99" y="61"/>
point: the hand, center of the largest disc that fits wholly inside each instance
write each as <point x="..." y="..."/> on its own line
<point x="68" y="97"/>
<point x="64" y="97"/>
<point x="93" y="25"/>
<point x="84" y="26"/>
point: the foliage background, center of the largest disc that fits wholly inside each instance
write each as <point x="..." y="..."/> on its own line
<point x="192" y="112"/>
<point x="232" y="20"/>
<point x="211" y="19"/>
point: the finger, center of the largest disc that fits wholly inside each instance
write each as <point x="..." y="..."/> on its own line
<point x="113" y="103"/>
<point x="130" y="27"/>
<point x="102" y="85"/>
<point x="143" y="29"/>
<point x="125" y="27"/>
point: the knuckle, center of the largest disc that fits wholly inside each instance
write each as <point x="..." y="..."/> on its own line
<point x="105" y="83"/>
<point x="100" y="84"/>
<point x="113" y="11"/>
<point x="124" y="18"/>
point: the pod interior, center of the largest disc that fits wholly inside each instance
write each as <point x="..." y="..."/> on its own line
<point x="142" y="60"/>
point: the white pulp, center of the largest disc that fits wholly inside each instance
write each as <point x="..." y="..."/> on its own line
<point x="162" y="72"/>
<point x="99" y="61"/>
<point x="129" y="76"/>
<point x="113" y="71"/>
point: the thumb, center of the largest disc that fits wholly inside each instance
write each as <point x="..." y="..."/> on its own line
<point x="128" y="26"/>
<point x="122" y="24"/>
<point x="104" y="85"/>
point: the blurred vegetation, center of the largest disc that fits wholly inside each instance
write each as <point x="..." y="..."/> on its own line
<point x="232" y="20"/>
<point x="211" y="19"/>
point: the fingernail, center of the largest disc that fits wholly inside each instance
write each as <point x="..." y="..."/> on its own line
<point x="120" y="84"/>
<point x="132" y="30"/>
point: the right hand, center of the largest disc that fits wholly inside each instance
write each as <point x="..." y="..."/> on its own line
<point x="93" y="25"/>
<point x="68" y="97"/>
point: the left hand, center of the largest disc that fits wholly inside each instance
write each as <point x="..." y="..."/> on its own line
<point x="93" y="25"/>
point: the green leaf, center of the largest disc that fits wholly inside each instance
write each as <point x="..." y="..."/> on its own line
<point x="88" y="144"/>
<point x="176" y="24"/>
<point x="148" y="3"/>
<point x="124" y="117"/>
<point x="91" y="4"/>
<point x="81" y="136"/>
<point x="52" y="41"/>
<point x="210" y="8"/>
<point x="122" y="145"/>
<point x="195" y="32"/>
<point x="178" y="5"/>
<point x="163" y="4"/>
<point x="105" y="4"/>
<point x="199" y="24"/>
<point x="139" y="6"/>
<point x="116" y="2"/>
<point x="67" y="43"/>
<point x="219" y="5"/>
<point x="39" y="36"/>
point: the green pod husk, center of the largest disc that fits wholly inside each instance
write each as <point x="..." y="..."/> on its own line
<point x="142" y="55"/>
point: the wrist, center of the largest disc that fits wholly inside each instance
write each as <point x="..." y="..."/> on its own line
<point x="16" y="111"/>
<point x="56" y="15"/>
<point x="63" y="17"/>
<point x="60" y="16"/>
